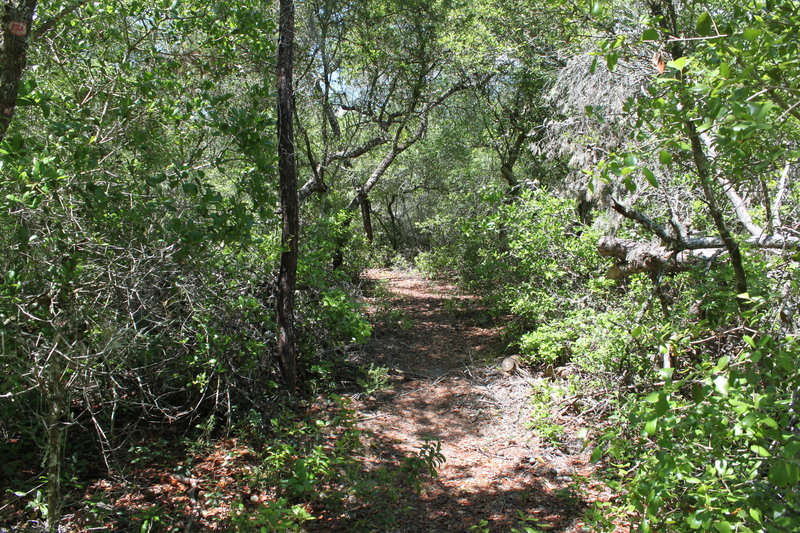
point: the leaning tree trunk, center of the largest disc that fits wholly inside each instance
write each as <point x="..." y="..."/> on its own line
<point x="16" y="18"/>
<point x="703" y="166"/>
<point x="287" y="171"/>
<point x="366" y="210"/>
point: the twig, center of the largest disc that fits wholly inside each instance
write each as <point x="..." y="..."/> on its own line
<point x="488" y="454"/>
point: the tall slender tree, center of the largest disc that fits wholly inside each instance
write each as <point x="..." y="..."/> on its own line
<point x="16" y="19"/>
<point x="289" y="204"/>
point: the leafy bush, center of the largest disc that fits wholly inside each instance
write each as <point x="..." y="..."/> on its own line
<point x="527" y="259"/>
<point x="716" y="448"/>
<point x="272" y="517"/>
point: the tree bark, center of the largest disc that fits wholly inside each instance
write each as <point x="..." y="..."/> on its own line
<point x="510" y="159"/>
<point x="702" y="166"/>
<point x="16" y="20"/>
<point x="393" y="236"/>
<point x="287" y="171"/>
<point x="636" y="257"/>
<point x="365" y="217"/>
<point x="55" y="438"/>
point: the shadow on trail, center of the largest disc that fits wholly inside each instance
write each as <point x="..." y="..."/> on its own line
<point x="434" y="343"/>
<point x="443" y="508"/>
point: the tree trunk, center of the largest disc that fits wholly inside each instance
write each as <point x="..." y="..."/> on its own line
<point x="287" y="171"/>
<point x="703" y="172"/>
<point x="668" y="14"/>
<point x="366" y="208"/>
<point x="636" y="257"/>
<point x="341" y="240"/>
<point x="393" y="238"/>
<point x="16" y="18"/>
<point x="55" y="439"/>
<point x="510" y="159"/>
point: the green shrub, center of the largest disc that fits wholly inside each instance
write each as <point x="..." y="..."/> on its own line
<point x="716" y="448"/>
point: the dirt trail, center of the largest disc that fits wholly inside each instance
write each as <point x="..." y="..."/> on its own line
<point x="443" y="356"/>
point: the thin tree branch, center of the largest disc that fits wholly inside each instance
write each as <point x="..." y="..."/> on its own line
<point x="645" y="221"/>
<point x="740" y="207"/>
<point x="48" y="24"/>
<point x="779" y="196"/>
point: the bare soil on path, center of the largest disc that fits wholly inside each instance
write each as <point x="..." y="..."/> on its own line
<point x="443" y="353"/>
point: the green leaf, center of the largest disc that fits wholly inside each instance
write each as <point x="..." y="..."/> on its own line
<point x="650" y="35"/>
<point x="611" y="61"/>
<point x="629" y="184"/>
<point x="791" y="449"/>
<point x="651" y="178"/>
<point x="699" y="393"/>
<point x="597" y="454"/>
<point x="769" y="422"/>
<point x="784" y="473"/>
<point x="679" y="63"/>
<point x="664" y="157"/>
<point x="765" y="110"/>
<point x="190" y="188"/>
<point x="721" y="384"/>
<point x="662" y="406"/>
<point x="651" y="426"/>
<point x="595" y="7"/>
<point x="751" y="34"/>
<point x="703" y="24"/>
<point x="754" y="108"/>
<point x="695" y="520"/>
<point x="723" y="526"/>
<point x="760" y="450"/>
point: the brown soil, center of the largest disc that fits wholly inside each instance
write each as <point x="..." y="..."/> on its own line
<point x="443" y="356"/>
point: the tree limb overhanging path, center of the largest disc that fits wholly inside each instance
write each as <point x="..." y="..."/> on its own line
<point x="443" y="357"/>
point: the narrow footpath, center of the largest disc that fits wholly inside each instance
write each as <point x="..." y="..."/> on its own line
<point x="443" y="356"/>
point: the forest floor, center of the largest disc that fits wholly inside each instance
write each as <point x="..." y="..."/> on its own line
<point x="443" y="356"/>
<point x="437" y="388"/>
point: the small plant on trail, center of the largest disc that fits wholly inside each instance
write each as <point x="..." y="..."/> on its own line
<point x="527" y="524"/>
<point x="374" y="378"/>
<point x="541" y="416"/>
<point x="273" y="517"/>
<point x="313" y="463"/>
<point x="452" y="305"/>
<point x="396" y="318"/>
<point x="480" y="527"/>
<point x="151" y="519"/>
<point x="423" y="462"/>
